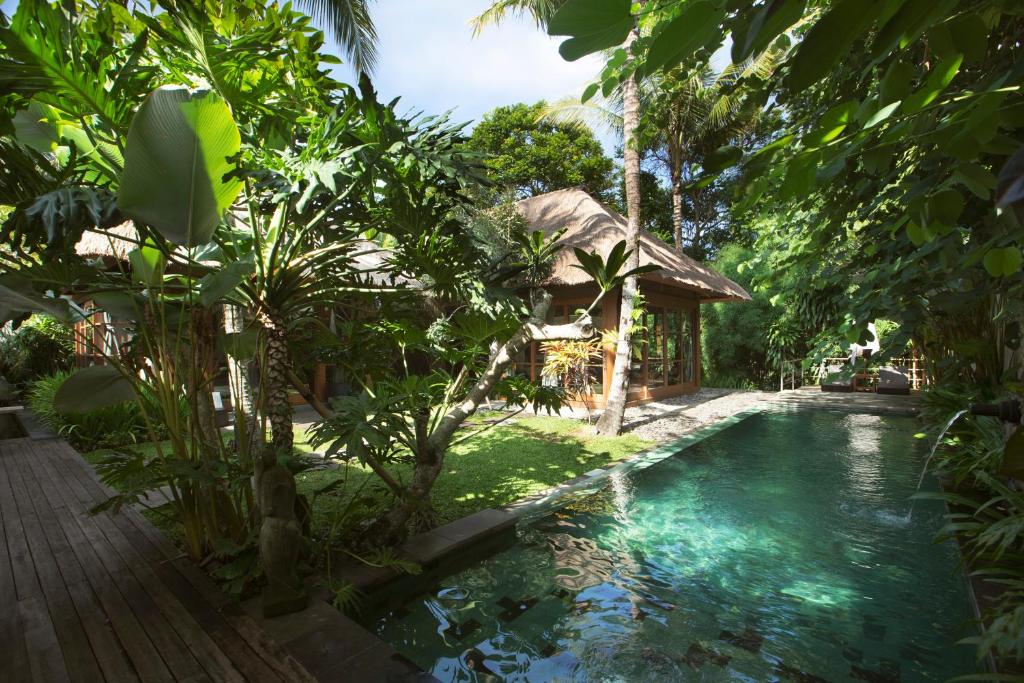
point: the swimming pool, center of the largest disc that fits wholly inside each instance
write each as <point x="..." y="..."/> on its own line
<point x="775" y="549"/>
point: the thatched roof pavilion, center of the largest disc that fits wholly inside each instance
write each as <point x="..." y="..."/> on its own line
<point x="667" y="362"/>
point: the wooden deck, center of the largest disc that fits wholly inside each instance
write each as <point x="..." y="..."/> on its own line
<point x="106" y="597"/>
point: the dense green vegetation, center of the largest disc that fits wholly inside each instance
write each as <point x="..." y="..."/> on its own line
<point x="526" y="155"/>
<point x="858" y="161"/>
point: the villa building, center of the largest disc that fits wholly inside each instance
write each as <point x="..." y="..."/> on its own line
<point x="666" y="359"/>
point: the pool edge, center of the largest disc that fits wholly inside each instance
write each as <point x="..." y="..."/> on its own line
<point x="545" y="501"/>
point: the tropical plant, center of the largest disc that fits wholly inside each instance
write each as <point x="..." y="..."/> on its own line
<point x="413" y="415"/>
<point x="305" y="166"/>
<point x="111" y="426"/>
<point x="566" y="364"/>
<point x="38" y="347"/>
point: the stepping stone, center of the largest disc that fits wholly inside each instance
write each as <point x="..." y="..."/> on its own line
<point x="794" y="674"/>
<point x="460" y="631"/>
<point x="862" y="674"/>
<point x="477" y="661"/>
<point x="749" y="640"/>
<point x="514" y="608"/>
<point x="852" y="654"/>
<point x="874" y="631"/>
<point x="697" y="655"/>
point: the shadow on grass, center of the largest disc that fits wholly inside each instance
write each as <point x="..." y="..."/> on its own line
<point x="492" y="469"/>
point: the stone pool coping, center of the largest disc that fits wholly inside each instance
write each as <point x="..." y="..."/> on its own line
<point x="543" y="502"/>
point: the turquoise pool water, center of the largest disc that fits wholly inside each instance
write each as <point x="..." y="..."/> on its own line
<point x="776" y="549"/>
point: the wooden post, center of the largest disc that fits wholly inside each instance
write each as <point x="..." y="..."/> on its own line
<point x="782" y="370"/>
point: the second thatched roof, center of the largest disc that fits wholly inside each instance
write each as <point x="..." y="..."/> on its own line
<point x="592" y="226"/>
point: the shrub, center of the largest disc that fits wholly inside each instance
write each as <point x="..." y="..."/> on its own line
<point x="41" y="346"/>
<point x="107" y="427"/>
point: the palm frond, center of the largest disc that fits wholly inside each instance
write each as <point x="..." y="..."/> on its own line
<point x="352" y="26"/>
<point x="540" y="11"/>
<point x="569" y="111"/>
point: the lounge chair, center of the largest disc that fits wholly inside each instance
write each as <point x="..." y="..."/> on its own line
<point x="835" y="381"/>
<point x="892" y="380"/>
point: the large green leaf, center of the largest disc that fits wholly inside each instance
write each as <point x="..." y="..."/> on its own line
<point x="91" y="388"/>
<point x="774" y="17"/>
<point x="829" y="41"/>
<point x="220" y="283"/>
<point x="179" y="148"/>
<point x="593" y="24"/>
<point x="696" y="25"/>
<point x="1003" y="262"/>
<point x="17" y="300"/>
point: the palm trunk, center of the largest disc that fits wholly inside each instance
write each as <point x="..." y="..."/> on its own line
<point x="279" y="408"/>
<point x="610" y="421"/>
<point x="675" y="160"/>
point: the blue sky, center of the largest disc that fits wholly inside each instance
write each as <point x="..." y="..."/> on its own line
<point x="431" y="60"/>
<point x="429" y="57"/>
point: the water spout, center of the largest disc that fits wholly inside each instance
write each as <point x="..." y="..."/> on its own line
<point x="935" y="447"/>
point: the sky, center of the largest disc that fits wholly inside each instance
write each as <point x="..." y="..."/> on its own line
<point x="429" y="57"/>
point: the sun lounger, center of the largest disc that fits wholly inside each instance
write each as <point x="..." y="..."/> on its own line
<point x="834" y="380"/>
<point x="892" y="380"/>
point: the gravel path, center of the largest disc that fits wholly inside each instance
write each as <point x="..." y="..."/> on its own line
<point x="662" y="421"/>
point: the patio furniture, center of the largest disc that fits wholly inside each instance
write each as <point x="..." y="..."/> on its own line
<point x="893" y="380"/>
<point x="835" y="381"/>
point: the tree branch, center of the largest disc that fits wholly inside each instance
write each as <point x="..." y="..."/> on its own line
<point x="326" y="413"/>
<point x="533" y="329"/>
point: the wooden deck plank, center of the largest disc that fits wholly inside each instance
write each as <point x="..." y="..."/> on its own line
<point x="175" y="654"/>
<point x="25" y="581"/>
<point x="132" y="636"/>
<point x="77" y="630"/>
<point x="261" y="657"/>
<point x="107" y="597"/>
<point x="111" y="656"/>
<point x="51" y="636"/>
<point x="12" y="635"/>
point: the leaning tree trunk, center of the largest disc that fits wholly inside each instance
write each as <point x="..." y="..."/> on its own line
<point x="414" y="511"/>
<point x="610" y="421"/>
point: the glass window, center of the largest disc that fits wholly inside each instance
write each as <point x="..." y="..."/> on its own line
<point x="595" y="375"/>
<point x="686" y="343"/>
<point x="675" y="375"/>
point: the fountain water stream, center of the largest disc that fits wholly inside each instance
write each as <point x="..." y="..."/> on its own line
<point x="928" y="460"/>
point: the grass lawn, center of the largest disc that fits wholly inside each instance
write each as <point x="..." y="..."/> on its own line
<point x="494" y="468"/>
<point x="499" y="466"/>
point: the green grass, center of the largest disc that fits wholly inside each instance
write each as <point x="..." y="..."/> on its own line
<point x="501" y="465"/>
<point x="492" y="469"/>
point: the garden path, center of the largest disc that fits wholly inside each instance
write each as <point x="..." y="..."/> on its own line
<point x="106" y="597"/>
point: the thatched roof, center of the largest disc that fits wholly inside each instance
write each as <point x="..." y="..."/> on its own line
<point x="113" y="244"/>
<point x="592" y="226"/>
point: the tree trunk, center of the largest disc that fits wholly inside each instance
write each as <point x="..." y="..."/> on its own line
<point x="610" y="421"/>
<point x="279" y="408"/>
<point x="242" y="403"/>
<point x="675" y="160"/>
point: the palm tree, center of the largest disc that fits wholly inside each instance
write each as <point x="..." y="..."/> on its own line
<point x="541" y="11"/>
<point x="352" y="26"/>
<point x="688" y="115"/>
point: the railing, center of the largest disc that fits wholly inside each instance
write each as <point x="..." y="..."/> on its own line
<point x="912" y="367"/>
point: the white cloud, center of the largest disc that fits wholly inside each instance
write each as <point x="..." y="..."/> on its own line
<point x="430" y="59"/>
